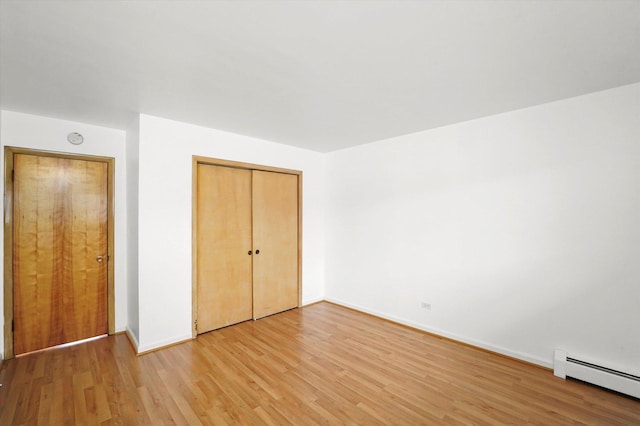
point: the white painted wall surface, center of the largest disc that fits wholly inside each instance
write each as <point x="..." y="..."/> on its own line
<point x="165" y="201"/>
<point x="35" y="132"/>
<point x="133" y="159"/>
<point x="522" y="230"/>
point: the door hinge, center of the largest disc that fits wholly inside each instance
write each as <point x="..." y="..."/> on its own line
<point x="13" y="323"/>
<point x="195" y="325"/>
<point x="13" y="175"/>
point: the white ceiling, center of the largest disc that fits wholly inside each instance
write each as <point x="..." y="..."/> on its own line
<point x="321" y="75"/>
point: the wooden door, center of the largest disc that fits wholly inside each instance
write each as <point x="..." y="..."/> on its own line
<point x="224" y="243"/>
<point x="60" y="246"/>
<point x="275" y="236"/>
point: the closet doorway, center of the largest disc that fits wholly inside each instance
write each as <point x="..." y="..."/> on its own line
<point x="246" y="242"/>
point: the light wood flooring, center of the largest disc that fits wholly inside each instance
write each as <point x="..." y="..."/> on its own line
<point x="322" y="364"/>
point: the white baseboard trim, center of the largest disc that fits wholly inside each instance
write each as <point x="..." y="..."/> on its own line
<point x="163" y="343"/>
<point x="436" y="331"/>
<point x="132" y="339"/>
<point x="312" y="301"/>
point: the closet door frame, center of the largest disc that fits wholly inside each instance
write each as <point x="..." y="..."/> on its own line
<point x="198" y="160"/>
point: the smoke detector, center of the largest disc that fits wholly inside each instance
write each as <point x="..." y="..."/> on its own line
<point x="75" y="138"/>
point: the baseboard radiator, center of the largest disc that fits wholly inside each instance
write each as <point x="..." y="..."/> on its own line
<point x="565" y="365"/>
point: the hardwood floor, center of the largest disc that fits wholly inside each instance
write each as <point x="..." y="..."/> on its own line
<point x="322" y="364"/>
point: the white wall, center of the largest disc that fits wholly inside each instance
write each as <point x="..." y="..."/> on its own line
<point x="133" y="159"/>
<point x="521" y="229"/>
<point x="164" y="227"/>
<point x="34" y="132"/>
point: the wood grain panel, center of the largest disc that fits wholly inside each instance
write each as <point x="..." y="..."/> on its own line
<point x="320" y="364"/>
<point x="37" y="269"/>
<point x="223" y="241"/>
<point x="60" y="226"/>
<point x="86" y="223"/>
<point x="275" y="234"/>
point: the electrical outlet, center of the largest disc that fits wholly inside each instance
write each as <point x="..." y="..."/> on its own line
<point x="425" y="305"/>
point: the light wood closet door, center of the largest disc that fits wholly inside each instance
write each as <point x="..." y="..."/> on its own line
<point x="223" y="241"/>
<point x="60" y="251"/>
<point x="275" y="235"/>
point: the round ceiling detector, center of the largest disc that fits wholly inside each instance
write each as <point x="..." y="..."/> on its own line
<point x="75" y="138"/>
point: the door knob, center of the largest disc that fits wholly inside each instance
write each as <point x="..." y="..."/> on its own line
<point x="257" y="251"/>
<point x="249" y="253"/>
<point x="99" y="259"/>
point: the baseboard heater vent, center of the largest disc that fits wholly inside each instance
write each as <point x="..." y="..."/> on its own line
<point x="570" y="366"/>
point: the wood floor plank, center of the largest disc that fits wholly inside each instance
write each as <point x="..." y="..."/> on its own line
<point x="322" y="364"/>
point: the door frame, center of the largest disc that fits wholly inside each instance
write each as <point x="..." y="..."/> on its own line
<point x="9" y="152"/>
<point x="196" y="161"/>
